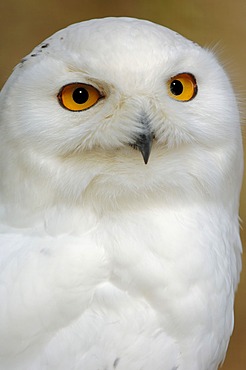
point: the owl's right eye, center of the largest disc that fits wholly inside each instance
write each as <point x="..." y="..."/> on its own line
<point x="78" y="96"/>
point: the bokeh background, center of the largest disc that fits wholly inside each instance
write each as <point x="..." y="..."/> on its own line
<point x="218" y="24"/>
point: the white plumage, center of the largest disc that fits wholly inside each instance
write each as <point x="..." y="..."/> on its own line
<point x="108" y="262"/>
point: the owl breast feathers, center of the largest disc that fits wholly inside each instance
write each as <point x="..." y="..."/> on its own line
<point x="121" y="166"/>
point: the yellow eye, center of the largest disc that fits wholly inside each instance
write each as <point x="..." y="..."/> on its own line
<point x="78" y="96"/>
<point x="182" y="87"/>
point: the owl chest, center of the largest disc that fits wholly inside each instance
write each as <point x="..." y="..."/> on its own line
<point x="165" y="266"/>
<point x="161" y="254"/>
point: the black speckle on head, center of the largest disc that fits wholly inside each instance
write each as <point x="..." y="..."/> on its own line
<point x="61" y="38"/>
<point x="44" y="46"/>
<point x="116" y="362"/>
<point x="23" y="61"/>
<point x="33" y="55"/>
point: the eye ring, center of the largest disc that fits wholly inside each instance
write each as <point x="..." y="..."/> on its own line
<point x="182" y="87"/>
<point x="78" y="96"/>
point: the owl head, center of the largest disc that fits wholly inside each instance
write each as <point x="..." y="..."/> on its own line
<point x="118" y="108"/>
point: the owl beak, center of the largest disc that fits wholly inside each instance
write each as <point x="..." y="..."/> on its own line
<point x="144" y="144"/>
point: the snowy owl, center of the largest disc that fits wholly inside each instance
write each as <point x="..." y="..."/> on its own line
<point x="121" y="167"/>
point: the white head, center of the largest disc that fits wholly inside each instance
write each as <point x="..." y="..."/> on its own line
<point x="52" y="154"/>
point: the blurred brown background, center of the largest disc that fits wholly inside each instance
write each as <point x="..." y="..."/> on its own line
<point x="220" y="24"/>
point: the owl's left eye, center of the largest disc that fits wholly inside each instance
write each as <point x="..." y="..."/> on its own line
<point x="78" y="96"/>
<point x="182" y="87"/>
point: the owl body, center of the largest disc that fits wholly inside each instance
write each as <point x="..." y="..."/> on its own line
<point x="109" y="262"/>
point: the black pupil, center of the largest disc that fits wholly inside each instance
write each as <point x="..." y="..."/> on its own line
<point x="176" y="87"/>
<point x="80" y="95"/>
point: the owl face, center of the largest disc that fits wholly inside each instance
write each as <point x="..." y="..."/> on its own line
<point x="126" y="101"/>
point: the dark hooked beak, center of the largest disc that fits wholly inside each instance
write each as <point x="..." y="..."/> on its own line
<point x="144" y="144"/>
<point x="144" y="141"/>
